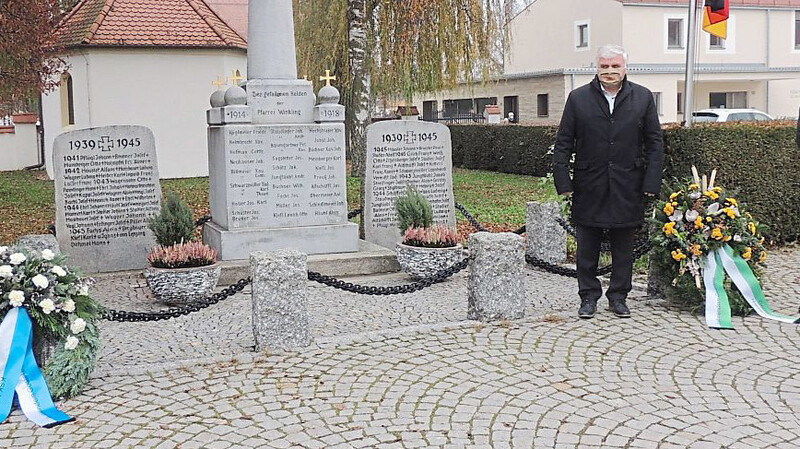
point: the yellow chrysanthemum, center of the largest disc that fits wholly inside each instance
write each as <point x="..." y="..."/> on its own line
<point x="727" y="238"/>
<point x="748" y="253"/>
<point x="752" y="227"/>
<point x="698" y="223"/>
<point x="716" y="234"/>
<point x="732" y="201"/>
<point x="675" y="195"/>
<point x="669" y="209"/>
<point x="694" y="186"/>
<point x="678" y="255"/>
<point x="697" y="250"/>
<point x="669" y="229"/>
<point x="761" y="241"/>
<point x="731" y="213"/>
<point x="709" y="219"/>
<point x="763" y="257"/>
<point x="711" y="194"/>
<point x="717" y="189"/>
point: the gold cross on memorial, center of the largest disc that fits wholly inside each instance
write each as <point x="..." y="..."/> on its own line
<point x="236" y="78"/>
<point x="219" y="82"/>
<point x="327" y="78"/>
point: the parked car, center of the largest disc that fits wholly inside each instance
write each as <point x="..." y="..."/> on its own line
<point x="730" y="115"/>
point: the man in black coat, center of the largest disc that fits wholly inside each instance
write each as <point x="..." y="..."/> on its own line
<point x="611" y="126"/>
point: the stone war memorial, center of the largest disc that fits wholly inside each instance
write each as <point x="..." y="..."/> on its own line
<point x="276" y="161"/>
<point x="106" y="188"/>
<point x="402" y="153"/>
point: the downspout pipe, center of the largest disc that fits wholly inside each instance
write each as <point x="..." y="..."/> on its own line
<point x="40" y="138"/>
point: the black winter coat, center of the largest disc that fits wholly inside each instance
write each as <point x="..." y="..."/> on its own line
<point x="618" y="156"/>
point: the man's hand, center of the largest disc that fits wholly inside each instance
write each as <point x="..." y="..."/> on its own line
<point x="649" y="194"/>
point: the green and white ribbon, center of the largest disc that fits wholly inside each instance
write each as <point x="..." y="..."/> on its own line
<point x="718" y="309"/>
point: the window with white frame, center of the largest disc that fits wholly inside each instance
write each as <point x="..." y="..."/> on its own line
<point x="675" y="33"/>
<point x="797" y="29"/>
<point x="657" y="100"/>
<point x="716" y="42"/>
<point x="582" y="34"/>
<point x="680" y="103"/>
<point x="717" y="45"/>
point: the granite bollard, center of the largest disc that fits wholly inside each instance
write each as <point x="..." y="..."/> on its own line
<point x="280" y="292"/>
<point x="546" y="239"/>
<point x="495" y="289"/>
<point x="39" y="243"/>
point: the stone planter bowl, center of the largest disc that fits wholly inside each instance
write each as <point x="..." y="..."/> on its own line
<point x="181" y="286"/>
<point x="420" y="262"/>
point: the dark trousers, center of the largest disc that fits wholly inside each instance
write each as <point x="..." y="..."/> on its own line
<point x="621" y="262"/>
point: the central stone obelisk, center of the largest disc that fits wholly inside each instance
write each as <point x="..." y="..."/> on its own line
<point x="276" y="178"/>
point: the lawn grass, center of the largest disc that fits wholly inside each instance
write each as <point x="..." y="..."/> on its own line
<point x="498" y="200"/>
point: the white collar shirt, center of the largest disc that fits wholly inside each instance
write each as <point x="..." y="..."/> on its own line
<point x="610" y="98"/>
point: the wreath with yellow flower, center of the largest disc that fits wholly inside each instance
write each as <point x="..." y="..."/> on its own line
<point x="697" y="219"/>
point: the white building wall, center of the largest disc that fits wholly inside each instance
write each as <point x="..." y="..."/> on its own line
<point x="166" y="90"/>
<point x="19" y="149"/>
<point x="543" y="35"/>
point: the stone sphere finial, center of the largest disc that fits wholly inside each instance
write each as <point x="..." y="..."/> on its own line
<point x="235" y="96"/>
<point x="218" y="99"/>
<point x="328" y="95"/>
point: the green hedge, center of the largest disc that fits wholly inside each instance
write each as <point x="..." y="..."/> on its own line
<point x="760" y="161"/>
<point x="521" y="150"/>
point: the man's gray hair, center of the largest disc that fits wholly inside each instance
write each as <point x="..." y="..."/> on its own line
<point x="611" y="51"/>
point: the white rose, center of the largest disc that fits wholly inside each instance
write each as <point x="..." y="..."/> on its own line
<point x="16" y="298"/>
<point x="48" y="255"/>
<point x="60" y="272"/>
<point x="17" y="258"/>
<point x="68" y="306"/>
<point x="84" y="290"/>
<point x="71" y="343"/>
<point x="6" y="271"/>
<point x="78" y="326"/>
<point x="40" y="281"/>
<point x="47" y="306"/>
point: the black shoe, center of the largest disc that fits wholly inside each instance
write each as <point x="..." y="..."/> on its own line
<point x="588" y="308"/>
<point x="619" y="308"/>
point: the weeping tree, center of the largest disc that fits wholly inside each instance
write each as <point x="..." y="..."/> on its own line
<point x="392" y="49"/>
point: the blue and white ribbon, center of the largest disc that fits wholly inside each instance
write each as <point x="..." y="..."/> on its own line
<point x="21" y="374"/>
<point x="718" y="309"/>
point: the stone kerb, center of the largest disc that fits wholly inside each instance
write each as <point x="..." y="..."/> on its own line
<point x="39" y="243"/>
<point x="280" y="294"/>
<point x="495" y="288"/>
<point x="546" y="239"/>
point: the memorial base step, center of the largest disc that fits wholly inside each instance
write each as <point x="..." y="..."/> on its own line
<point x="239" y="243"/>
<point x="370" y="259"/>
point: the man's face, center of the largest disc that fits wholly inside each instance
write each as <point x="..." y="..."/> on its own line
<point x="611" y="71"/>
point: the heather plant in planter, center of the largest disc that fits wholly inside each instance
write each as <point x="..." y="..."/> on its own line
<point x="182" y="270"/>
<point x="426" y="248"/>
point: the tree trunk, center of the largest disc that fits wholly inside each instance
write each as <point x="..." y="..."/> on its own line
<point x="358" y="113"/>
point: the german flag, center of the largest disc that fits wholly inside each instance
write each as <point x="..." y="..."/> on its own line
<point x="715" y="18"/>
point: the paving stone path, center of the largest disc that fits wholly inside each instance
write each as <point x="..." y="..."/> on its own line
<point x="660" y="379"/>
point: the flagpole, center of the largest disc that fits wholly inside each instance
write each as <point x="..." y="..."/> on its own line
<point x="688" y="90"/>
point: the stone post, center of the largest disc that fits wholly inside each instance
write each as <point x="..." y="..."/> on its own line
<point x="496" y="290"/>
<point x="280" y="292"/>
<point x="270" y="40"/>
<point x="546" y="239"/>
<point x="39" y="242"/>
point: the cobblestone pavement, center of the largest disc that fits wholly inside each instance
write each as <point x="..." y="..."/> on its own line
<point x="659" y="379"/>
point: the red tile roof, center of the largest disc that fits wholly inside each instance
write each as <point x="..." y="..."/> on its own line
<point x="146" y="23"/>
<point x="733" y="3"/>
<point x="233" y="12"/>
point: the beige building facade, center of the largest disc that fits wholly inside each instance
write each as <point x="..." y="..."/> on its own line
<point x="553" y="44"/>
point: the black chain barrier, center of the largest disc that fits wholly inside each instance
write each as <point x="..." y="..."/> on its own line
<point x="202" y="220"/>
<point x="642" y="247"/>
<point x="174" y="312"/>
<point x="392" y="290"/>
<point x="354" y="213"/>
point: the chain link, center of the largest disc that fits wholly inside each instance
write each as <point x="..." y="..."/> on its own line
<point x="174" y="312"/>
<point x="354" y="213"/>
<point x="392" y="290"/>
<point x="202" y="220"/>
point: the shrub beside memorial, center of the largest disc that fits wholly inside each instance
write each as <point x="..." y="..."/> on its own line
<point x="182" y="270"/>
<point x="523" y="150"/>
<point x="427" y="248"/>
